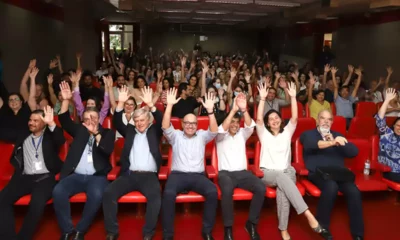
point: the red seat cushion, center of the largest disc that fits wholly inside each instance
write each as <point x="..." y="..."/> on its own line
<point x="372" y="182"/>
<point x="271" y="191"/>
<point x="393" y="185"/>
<point x="133" y="197"/>
<point x="189" y="197"/>
<point x="238" y="194"/>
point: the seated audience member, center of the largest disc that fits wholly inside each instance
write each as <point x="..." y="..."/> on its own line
<point x="120" y="82"/>
<point x="167" y="84"/>
<point x="92" y="101"/>
<point x="373" y="94"/>
<point x="272" y="102"/>
<point x="140" y="162"/>
<point x="275" y="161"/>
<point x="36" y="162"/>
<point x="232" y="167"/>
<point x="219" y="104"/>
<point x="186" y="104"/>
<point x="188" y="166"/>
<point x="86" y="87"/>
<point x="344" y="101"/>
<point x="389" y="139"/>
<point x="39" y="95"/>
<point x="324" y="153"/>
<point x="327" y="84"/>
<point x="319" y="103"/>
<point x="85" y="168"/>
<point x="56" y="100"/>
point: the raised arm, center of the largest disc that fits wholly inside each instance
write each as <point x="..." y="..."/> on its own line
<point x="276" y="81"/>
<point x="117" y="119"/>
<point x="23" y="89"/>
<point x="203" y="78"/>
<point x="65" y="119"/>
<point x="389" y="74"/>
<point x="229" y="89"/>
<point x="390" y="94"/>
<point x="351" y="70"/>
<point x="32" y="93"/>
<point x="222" y="105"/>
<point x="53" y="97"/>
<point x="327" y="69"/>
<point x="76" y="95"/>
<point x="55" y="132"/>
<point x="263" y="91"/>
<point x="60" y="68"/>
<point x="147" y="98"/>
<point x="108" y="85"/>
<point x="171" y="101"/>
<point x="293" y="102"/>
<point x="310" y="88"/>
<point x="335" y="84"/>
<point x="208" y="104"/>
<point x="358" y="82"/>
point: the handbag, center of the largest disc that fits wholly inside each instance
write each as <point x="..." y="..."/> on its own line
<point x="337" y="174"/>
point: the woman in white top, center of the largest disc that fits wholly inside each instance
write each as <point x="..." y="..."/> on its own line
<point x="275" y="160"/>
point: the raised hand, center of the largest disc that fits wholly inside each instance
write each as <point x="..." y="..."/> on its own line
<point x="159" y="75"/>
<point x="334" y="70"/>
<point x="32" y="63"/>
<point x="123" y="94"/>
<point x="75" y="77"/>
<point x="389" y="70"/>
<point x="277" y="75"/>
<point x="205" y="66"/>
<point x="147" y="96"/>
<point x="267" y="81"/>
<point x="209" y="102"/>
<point x="233" y="73"/>
<point x="53" y="63"/>
<point x="34" y="72"/>
<point x="235" y="107"/>
<point x="159" y="86"/>
<point x="350" y="68"/>
<point x="312" y="78"/>
<point x="262" y="90"/>
<point x="171" y="96"/>
<point x="292" y="89"/>
<point x="221" y="92"/>
<point x="50" y="79"/>
<point x="282" y="84"/>
<point x="108" y="82"/>
<point x="65" y="91"/>
<point x="358" y="71"/>
<point x="247" y="77"/>
<point x="48" y="116"/>
<point x="327" y="68"/>
<point x="91" y="126"/>
<point x="390" y="94"/>
<point x="241" y="102"/>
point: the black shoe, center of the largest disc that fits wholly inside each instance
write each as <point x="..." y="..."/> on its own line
<point x="148" y="238"/>
<point x="228" y="233"/>
<point x="357" y="238"/>
<point x="207" y="236"/>
<point x="79" y="236"/>
<point x="112" y="237"/>
<point x="251" y="229"/>
<point x="168" y="238"/>
<point x="67" y="236"/>
<point x="326" y="234"/>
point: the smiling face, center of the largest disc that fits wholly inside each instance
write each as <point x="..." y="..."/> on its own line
<point x="320" y="97"/>
<point x="131" y="75"/>
<point x="14" y="102"/>
<point x="396" y="127"/>
<point x="271" y="95"/>
<point x="129" y="106"/>
<point x="140" y="83"/>
<point x="234" y="126"/>
<point x="120" y="81"/>
<point x="189" y="125"/>
<point x="193" y="81"/>
<point x="274" y="121"/>
<point x="36" y="123"/>
<point x="91" y="116"/>
<point x="166" y="84"/>
<point x="142" y="122"/>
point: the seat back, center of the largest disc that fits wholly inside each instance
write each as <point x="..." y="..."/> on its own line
<point x="257" y="154"/>
<point x="64" y="151"/>
<point x="362" y="127"/>
<point x="153" y="86"/>
<point x="339" y="125"/>
<point x="303" y="124"/>
<point x="107" y="123"/>
<point x="364" y="152"/>
<point x="390" y="121"/>
<point x="307" y="110"/>
<point x="118" y="147"/>
<point x="286" y="112"/>
<point x="333" y="108"/>
<point x="365" y="109"/>
<point x="6" y="169"/>
<point x="203" y="122"/>
<point x="298" y="153"/>
<point x="160" y="106"/>
<point x="176" y="122"/>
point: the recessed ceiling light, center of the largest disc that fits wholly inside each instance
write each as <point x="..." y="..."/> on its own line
<point x="277" y="3"/>
<point x="251" y="14"/>
<point x="211" y="12"/>
<point x="302" y="22"/>
<point x="241" y="2"/>
<point x="174" y="10"/>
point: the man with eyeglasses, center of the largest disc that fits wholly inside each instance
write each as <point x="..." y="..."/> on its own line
<point x="85" y="168"/>
<point x="187" y="174"/>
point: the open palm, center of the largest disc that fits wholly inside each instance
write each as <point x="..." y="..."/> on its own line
<point x="209" y="102"/>
<point x="292" y="89"/>
<point x="48" y="115"/>
<point x="123" y="94"/>
<point x="91" y="126"/>
<point x="65" y="91"/>
<point x="390" y="94"/>
<point x="171" y="96"/>
<point x="147" y="96"/>
<point x="262" y="90"/>
<point x="241" y="102"/>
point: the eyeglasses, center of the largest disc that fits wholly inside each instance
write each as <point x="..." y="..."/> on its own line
<point x="14" y="100"/>
<point x="129" y="105"/>
<point x="190" y="123"/>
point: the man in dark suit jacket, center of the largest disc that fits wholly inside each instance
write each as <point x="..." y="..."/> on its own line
<point x="85" y="168"/>
<point x="36" y="162"/>
<point x="140" y="162"/>
<point x="324" y="148"/>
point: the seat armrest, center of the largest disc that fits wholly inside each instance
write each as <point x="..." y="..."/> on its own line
<point x="300" y="169"/>
<point x="383" y="168"/>
<point x="163" y="173"/>
<point x="256" y="171"/>
<point x="113" y="174"/>
<point x="210" y="171"/>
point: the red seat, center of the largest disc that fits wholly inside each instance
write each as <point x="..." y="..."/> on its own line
<point x="333" y="108"/>
<point x="238" y="194"/>
<point x="153" y="86"/>
<point x="203" y="122"/>
<point x="362" y="127"/>
<point x="365" y="109"/>
<point x="339" y="125"/>
<point x="107" y="123"/>
<point x="160" y="106"/>
<point x="176" y="122"/>
<point x="286" y="112"/>
<point x="68" y="137"/>
<point x="390" y="121"/>
<point x="271" y="191"/>
<point x="6" y="169"/>
<point x="378" y="106"/>
<point x="303" y="124"/>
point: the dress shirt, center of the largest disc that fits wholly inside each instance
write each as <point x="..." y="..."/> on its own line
<point x="188" y="153"/>
<point x="231" y="150"/>
<point x="85" y="165"/>
<point x="140" y="157"/>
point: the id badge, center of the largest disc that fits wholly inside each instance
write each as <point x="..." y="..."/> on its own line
<point x="38" y="166"/>
<point x="90" y="158"/>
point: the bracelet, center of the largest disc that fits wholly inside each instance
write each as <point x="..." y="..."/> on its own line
<point x="211" y="113"/>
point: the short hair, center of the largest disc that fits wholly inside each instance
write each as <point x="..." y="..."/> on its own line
<point x="344" y="87"/>
<point x="120" y="75"/>
<point x="91" y="109"/>
<point x="132" y="99"/>
<point x="324" y="110"/>
<point x="96" y="102"/>
<point x="141" y="111"/>
<point x="237" y="116"/>
<point x="38" y="112"/>
<point x="17" y="94"/>
<point x="182" y="87"/>
<point x="266" y="121"/>
<point x="318" y="92"/>
<point x="135" y="82"/>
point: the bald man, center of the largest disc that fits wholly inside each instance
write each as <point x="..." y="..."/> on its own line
<point x="188" y="165"/>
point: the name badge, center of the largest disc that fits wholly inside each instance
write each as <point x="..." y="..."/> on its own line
<point x="38" y="166"/>
<point x="90" y="158"/>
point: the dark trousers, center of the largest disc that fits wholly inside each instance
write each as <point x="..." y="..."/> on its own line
<point x="228" y="181"/>
<point x="329" y="190"/>
<point x="179" y="182"/>
<point x="40" y="186"/>
<point x="395" y="177"/>
<point x="145" y="183"/>
<point x="93" y="186"/>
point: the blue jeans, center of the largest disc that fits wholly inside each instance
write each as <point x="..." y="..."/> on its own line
<point x="93" y="186"/>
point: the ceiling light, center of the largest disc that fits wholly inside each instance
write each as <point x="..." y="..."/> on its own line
<point x="259" y="14"/>
<point x="174" y="10"/>
<point x="211" y="12"/>
<point x="277" y="3"/>
<point x="241" y="2"/>
<point x="174" y="17"/>
<point x="197" y="22"/>
<point x="234" y="20"/>
<point x="179" y="0"/>
<point x="302" y="22"/>
<point x="205" y="19"/>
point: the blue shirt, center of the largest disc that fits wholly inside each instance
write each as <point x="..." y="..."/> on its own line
<point x="85" y="165"/>
<point x="140" y="157"/>
<point x="389" y="145"/>
<point x="344" y="107"/>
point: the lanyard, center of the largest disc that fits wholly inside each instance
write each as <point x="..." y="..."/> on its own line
<point x="37" y="147"/>
<point x="270" y="105"/>
<point x="90" y="144"/>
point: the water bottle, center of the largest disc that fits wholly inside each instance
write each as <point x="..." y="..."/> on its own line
<point x="367" y="167"/>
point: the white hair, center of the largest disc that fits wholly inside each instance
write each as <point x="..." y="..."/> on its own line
<point x="139" y="112"/>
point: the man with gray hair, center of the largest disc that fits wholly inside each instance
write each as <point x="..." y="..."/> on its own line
<point x="140" y="163"/>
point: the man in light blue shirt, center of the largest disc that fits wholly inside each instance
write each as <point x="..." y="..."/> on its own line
<point x="188" y="148"/>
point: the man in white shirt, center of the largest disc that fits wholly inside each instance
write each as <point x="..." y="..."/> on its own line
<point x="232" y="167"/>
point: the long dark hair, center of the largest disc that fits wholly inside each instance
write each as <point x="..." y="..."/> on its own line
<point x="96" y="101"/>
<point x="266" y="116"/>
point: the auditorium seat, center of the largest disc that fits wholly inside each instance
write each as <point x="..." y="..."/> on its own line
<point x="286" y="112"/>
<point x="107" y="123"/>
<point x="176" y="122"/>
<point x="390" y="121"/>
<point x="333" y="108"/>
<point x="303" y="124"/>
<point x="238" y="193"/>
<point x="153" y="86"/>
<point x="362" y="127"/>
<point x="339" y="125"/>
<point x="365" y="109"/>
<point x="271" y="191"/>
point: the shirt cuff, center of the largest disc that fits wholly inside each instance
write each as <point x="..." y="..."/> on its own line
<point x="221" y="129"/>
<point x="252" y="124"/>
<point x="117" y="110"/>
<point x="169" y="129"/>
<point x="76" y="89"/>
<point x="51" y="128"/>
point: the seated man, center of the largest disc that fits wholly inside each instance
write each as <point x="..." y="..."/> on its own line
<point x="232" y="167"/>
<point x="140" y="161"/>
<point x="187" y="104"/>
<point x="326" y="149"/>
<point x="188" y="166"/>
<point x="36" y="162"/>
<point x="85" y="168"/>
